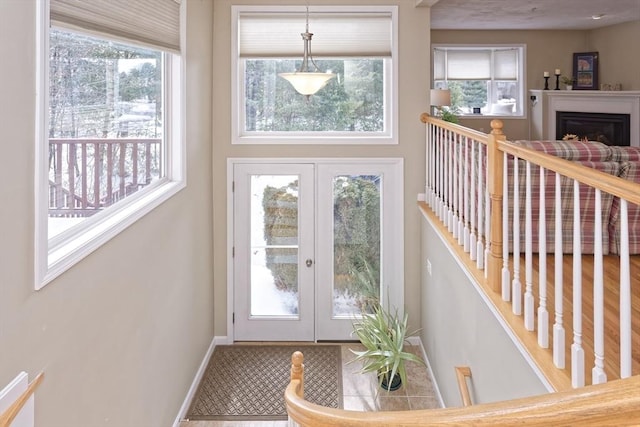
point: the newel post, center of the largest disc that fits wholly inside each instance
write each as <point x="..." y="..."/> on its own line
<point x="297" y="371"/>
<point x="495" y="169"/>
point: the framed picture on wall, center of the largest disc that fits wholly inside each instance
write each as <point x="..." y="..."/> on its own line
<point x="585" y="70"/>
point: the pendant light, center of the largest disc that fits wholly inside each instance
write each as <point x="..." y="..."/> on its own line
<point x="307" y="81"/>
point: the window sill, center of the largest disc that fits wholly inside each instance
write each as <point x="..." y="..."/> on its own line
<point x="271" y="139"/>
<point x="73" y="249"/>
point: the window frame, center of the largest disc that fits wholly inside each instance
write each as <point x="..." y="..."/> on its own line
<point x="54" y="256"/>
<point x="521" y="110"/>
<point x="240" y="136"/>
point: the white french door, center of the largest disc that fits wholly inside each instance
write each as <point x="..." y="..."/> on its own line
<point x="273" y="252"/>
<point x="313" y="244"/>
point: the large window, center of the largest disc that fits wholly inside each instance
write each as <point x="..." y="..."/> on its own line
<point x="483" y="80"/>
<point x="355" y="43"/>
<point x="109" y="130"/>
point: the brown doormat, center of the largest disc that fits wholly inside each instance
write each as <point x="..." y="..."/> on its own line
<point x="247" y="382"/>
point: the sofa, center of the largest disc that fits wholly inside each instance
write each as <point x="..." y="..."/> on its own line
<point x="623" y="162"/>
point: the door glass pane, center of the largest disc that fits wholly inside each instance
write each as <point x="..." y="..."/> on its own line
<point x="356" y="250"/>
<point x="274" y="245"/>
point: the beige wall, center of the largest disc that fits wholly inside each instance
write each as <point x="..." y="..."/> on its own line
<point x="459" y="329"/>
<point x="413" y="87"/>
<point x="121" y="334"/>
<point x="618" y="54"/>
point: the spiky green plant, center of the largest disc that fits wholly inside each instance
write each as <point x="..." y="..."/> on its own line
<point x="383" y="334"/>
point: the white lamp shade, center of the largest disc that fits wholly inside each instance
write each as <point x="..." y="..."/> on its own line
<point x="307" y="83"/>
<point x="440" y="97"/>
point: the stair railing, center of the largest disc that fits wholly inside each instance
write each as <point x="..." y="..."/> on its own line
<point x="475" y="182"/>
<point x="462" y="373"/>
<point x="7" y="417"/>
<point x="616" y="403"/>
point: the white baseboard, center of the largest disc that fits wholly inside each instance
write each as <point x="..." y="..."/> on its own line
<point x="196" y="381"/>
<point x="415" y="340"/>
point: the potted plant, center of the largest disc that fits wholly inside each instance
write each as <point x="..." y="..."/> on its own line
<point x="383" y="334"/>
<point x="567" y="81"/>
<point x="449" y="115"/>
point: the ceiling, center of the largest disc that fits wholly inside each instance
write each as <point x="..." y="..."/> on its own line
<point x="529" y="14"/>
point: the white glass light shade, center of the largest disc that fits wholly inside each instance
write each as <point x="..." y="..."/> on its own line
<point x="307" y="82"/>
<point x="440" y="97"/>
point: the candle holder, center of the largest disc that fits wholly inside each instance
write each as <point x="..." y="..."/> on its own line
<point x="557" y="81"/>
<point x="546" y="82"/>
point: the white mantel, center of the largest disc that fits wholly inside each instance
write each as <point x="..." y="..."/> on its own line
<point x="545" y="103"/>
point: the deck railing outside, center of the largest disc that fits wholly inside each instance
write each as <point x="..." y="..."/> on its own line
<point x="88" y="175"/>
<point x="480" y="187"/>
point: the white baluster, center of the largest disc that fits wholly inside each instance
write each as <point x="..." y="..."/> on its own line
<point x="577" y="352"/>
<point x="457" y="189"/>
<point x="506" y="274"/>
<point x="543" y="314"/>
<point x="461" y="183"/>
<point x="443" y="171"/>
<point x="429" y="186"/>
<point x="479" y="251"/>
<point x="487" y="216"/>
<point x="528" y="256"/>
<point x="469" y="245"/>
<point x="436" y="170"/>
<point x="467" y="194"/>
<point x="455" y="174"/>
<point x="625" y="294"/>
<point x="443" y="167"/>
<point x="598" y="376"/>
<point x="450" y="176"/>
<point x="516" y="286"/>
<point x="558" y="327"/>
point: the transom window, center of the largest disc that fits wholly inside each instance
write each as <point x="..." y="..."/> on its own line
<point x="355" y="43"/>
<point x="483" y="80"/>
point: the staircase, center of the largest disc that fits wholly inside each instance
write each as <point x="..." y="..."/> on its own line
<point x="616" y="403"/>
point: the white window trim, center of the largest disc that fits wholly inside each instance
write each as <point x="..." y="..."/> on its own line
<point x="392" y="279"/>
<point x="239" y="136"/>
<point x="522" y="70"/>
<point x="55" y="256"/>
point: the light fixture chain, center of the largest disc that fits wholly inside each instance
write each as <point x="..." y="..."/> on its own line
<point x="307" y="26"/>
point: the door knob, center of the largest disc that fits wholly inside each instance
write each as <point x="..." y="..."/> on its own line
<point x="309" y="262"/>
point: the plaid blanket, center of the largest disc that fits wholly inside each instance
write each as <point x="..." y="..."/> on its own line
<point x="587" y="208"/>
<point x="623" y="162"/>
<point x="625" y="154"/>
<point x="572" y="150"/>
<point x="629" y="171"/>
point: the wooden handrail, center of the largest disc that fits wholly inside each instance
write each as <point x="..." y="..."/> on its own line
<point x="12" y="411"/>
<point x="462" y="373"/>
<point x="608" y="183"/>
<point x="458" y="129"/>
<point x="616" y="403"/>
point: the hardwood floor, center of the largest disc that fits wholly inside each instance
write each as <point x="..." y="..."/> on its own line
<point x="611" y="309"/>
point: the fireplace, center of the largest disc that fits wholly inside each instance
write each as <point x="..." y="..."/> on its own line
<point x="610" y="129"/>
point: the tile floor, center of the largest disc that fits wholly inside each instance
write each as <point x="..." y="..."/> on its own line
<point x="361" y="392"/>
